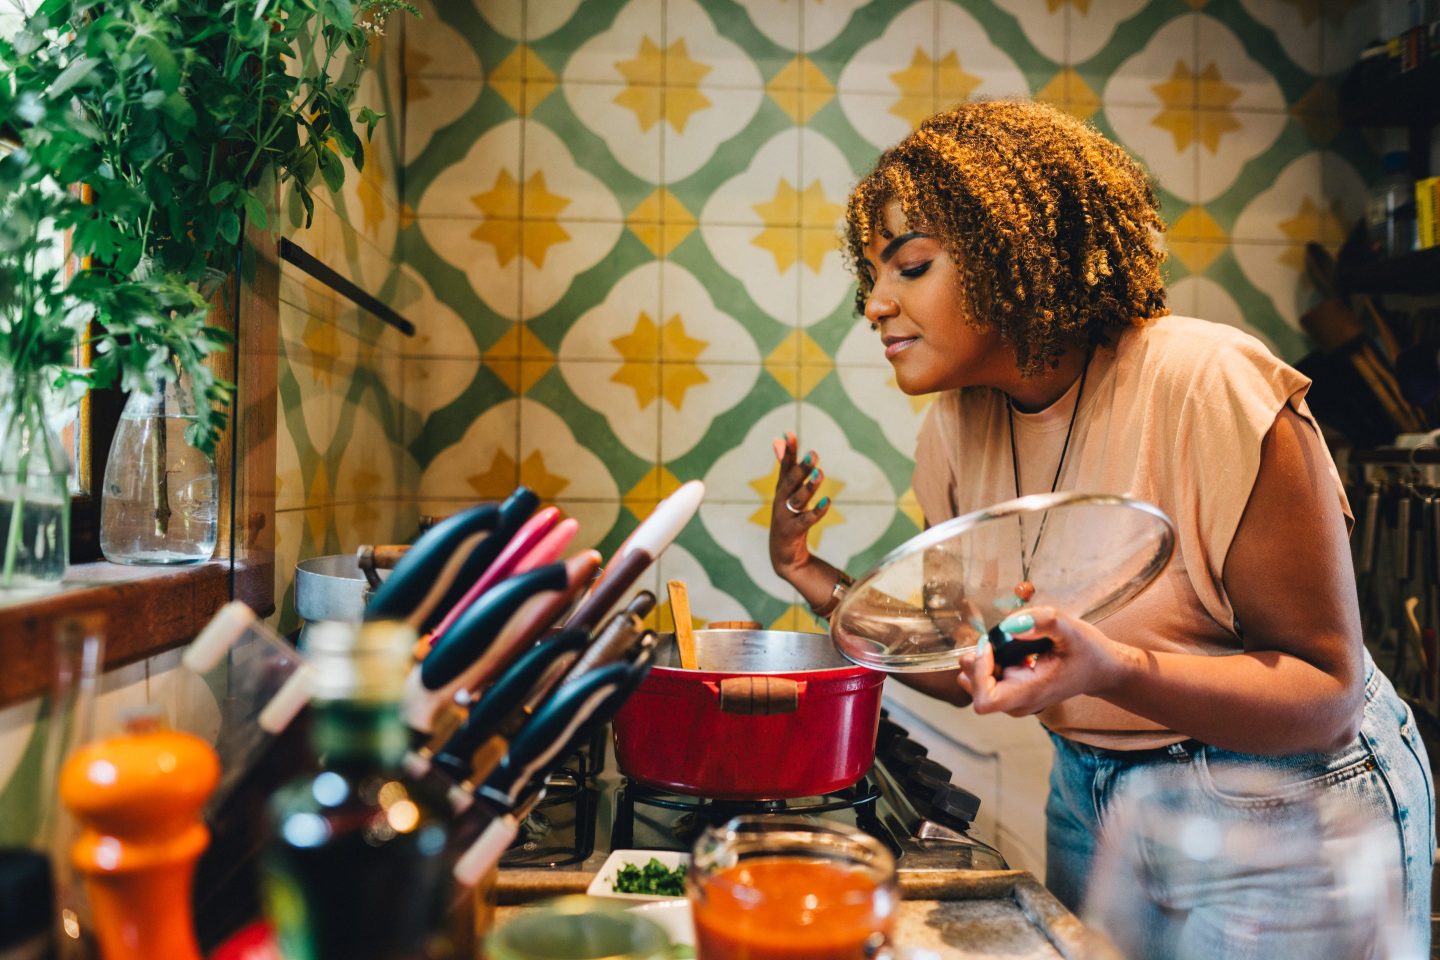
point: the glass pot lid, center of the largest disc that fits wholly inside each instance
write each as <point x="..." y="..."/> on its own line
<point x="930" y="599"/>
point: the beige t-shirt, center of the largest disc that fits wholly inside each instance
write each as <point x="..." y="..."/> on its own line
<point x="1173" y="413"/>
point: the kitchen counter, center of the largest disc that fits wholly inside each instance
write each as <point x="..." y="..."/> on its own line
<point x="957" y="914"/>
<point x="963" y="915"/>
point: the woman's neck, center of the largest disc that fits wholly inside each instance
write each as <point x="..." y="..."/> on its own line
<point x="1033" y="394"/>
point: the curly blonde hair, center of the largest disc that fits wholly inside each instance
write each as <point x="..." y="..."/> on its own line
<point x="1053" y="228"/>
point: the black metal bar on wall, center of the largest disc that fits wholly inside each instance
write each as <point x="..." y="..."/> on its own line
<point x="292" y="253"/>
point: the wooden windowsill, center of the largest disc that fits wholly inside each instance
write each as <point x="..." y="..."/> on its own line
<point x="147" y="610"/>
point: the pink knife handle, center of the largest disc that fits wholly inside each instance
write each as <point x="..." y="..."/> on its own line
<point x="530" y="534"/>
<point x="549" y="549"/>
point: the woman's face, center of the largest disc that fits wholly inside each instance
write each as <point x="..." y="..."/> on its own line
<point x="915" y="306"/>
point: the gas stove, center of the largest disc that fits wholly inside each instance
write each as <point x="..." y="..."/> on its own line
<point x="906" y="801"/>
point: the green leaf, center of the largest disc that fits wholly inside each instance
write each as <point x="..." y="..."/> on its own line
<point x="331" y="169"/>
<point x="255" y="210"/>
<point x="222" y="190"/>
<point x="230" y="226"/>
<point x="72" y="75"/>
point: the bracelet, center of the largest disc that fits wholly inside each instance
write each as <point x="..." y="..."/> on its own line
<point x="837" y="593"/>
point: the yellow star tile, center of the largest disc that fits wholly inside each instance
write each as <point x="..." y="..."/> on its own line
<point x="677" y="345"/>
<point x="537" y="202"/>
<point x="799" y="364"/>
<point x="800" y="89"/>
<point x="503" y="235"/>
<point x="371" y="191"/>
<point x="661" y="221"/>
<point x="641" y="376"/>
<point x="502" y="199"/>
<point x="797" y="619"/>
<point x="915" y="89"/>
<point x="782" y="243"/>
<point x="323" y="341"/>
<point x="1212" y="92"/>
<point x="498" y="480"/>
<point x="676" y="379"/>
<point x="1310" y="222"/>
<point x="1082" y="7"/>
<point x="952" y="83"/>
<point x="680" y="69"/>
<point x="783" y="208"/>
<point x="535" y="475"/>
<point x="657" y="483"/>
<point x="816" y="210"/>
<point x="764" y="485"/>
<point x="642" y="342"/>
<point x="1195" y="239"/>
<point x="522" y="79"/>
<point x="1069" y="91"/>
<point x="538" y="236"/>
<point x="1318" y="113"/>
<point x="407" y="215"/>
<point x="662" y="83"/>
<point x="911" y="508"/>
<point x="318" y="496"/>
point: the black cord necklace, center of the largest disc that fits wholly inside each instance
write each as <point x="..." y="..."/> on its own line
<point x="1024" y="590"/>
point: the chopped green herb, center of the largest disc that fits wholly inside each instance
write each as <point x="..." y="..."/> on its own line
<point x="654" y="879"/>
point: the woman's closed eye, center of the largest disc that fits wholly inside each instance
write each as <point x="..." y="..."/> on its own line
<point x="916" y="270"/>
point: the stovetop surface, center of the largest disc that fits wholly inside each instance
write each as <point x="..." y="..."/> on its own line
<point x="591" y="808"/>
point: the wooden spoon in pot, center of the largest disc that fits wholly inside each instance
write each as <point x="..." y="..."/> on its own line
<point x="684" y="628"/>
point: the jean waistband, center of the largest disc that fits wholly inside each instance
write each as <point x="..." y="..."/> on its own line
<point x="1179" y="752"/>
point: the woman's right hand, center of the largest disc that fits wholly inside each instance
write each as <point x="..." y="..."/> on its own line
<point x="791" y="515"/>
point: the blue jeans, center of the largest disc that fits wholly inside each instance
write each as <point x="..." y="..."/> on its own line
<point x="1383" y="778"/>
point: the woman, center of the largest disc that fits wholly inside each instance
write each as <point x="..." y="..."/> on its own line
<point x="1008" y="259"/>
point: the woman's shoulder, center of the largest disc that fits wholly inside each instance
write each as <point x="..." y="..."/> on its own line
<point x="1176" y="350"/>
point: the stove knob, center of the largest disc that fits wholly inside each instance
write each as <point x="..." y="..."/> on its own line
<point x="954" y="805"/>
<point x="905" y="752"/>
<point x="888" y="732"/>
<point x="927" y="776"/>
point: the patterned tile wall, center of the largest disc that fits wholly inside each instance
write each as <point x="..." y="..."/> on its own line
<point x="344" y="475"/>
<point x="620" y="218"/>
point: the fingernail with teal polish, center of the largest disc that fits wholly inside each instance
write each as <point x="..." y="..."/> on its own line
<point x="814" y="475"/>
<point x="982" y="646"/>
<point x="809" y="458"/>
<point x="1017" y="623"/>
<point x="822" y="504"/>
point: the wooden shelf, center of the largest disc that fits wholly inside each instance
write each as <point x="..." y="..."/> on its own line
<point x="1416" y="274"/>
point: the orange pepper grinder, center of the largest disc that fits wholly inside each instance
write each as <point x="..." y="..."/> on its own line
<point x="137" y="798"/>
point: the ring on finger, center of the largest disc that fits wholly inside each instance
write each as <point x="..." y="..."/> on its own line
<point x="792" y="508"/>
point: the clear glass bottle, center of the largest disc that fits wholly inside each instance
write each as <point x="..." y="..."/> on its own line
<point x="356" y="865"/>
<point x="160" y="502"/>
<point x="1390" y="212"/>
<point x="34" y="488"/>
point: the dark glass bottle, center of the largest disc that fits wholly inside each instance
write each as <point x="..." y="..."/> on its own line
<point x="356" y="866"/>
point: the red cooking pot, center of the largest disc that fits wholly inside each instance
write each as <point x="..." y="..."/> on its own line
<point x="769" y="715"/>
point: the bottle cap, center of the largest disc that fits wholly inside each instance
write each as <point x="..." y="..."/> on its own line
<point x="26" y="895"/>
<point x="366" y="662"/>
<point x="1395" y="161"/>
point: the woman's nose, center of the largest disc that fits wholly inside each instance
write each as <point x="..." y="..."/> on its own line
<point x="879" y="308"/>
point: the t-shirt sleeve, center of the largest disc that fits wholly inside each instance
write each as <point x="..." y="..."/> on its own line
<point x="1231" y="399"/>
<point x="934" y="478"/>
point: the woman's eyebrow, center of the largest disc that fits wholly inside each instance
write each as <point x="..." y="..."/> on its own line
<point x="897" y="243"/>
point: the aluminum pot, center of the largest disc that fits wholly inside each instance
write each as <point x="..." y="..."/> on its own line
<point x="331" y="588"/>
<point x="770" y="715"/>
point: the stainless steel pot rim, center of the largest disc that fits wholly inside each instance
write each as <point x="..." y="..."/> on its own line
<point x="835" y="666"/>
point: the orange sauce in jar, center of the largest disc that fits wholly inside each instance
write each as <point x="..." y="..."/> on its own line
<point x="788" y="908"/>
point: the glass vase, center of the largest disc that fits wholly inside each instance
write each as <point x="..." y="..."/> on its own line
<point x="160" y="503"/>
<point x="34" y="489"/>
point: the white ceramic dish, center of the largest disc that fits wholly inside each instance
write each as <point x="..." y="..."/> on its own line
<point x="603" y="884"/>
<point x="673" y="916"/>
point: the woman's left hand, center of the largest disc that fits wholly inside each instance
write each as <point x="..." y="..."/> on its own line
<point x="1082" y="660"/>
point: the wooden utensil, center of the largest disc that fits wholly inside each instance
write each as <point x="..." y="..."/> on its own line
<point x="684" y="628"/>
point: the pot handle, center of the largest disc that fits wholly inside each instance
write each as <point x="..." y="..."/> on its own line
<point x="758" y="696"/>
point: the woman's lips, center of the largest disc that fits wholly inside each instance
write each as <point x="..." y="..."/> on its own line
<point x="895" y="346"/>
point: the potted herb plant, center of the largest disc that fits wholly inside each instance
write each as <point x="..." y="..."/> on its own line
<point x="150" y="133"/>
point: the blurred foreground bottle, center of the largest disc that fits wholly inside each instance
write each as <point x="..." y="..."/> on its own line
<point x="356" y="866"/>
<point x="137" y="798"/>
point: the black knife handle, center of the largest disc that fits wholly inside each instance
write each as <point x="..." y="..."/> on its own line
<point x="473" y="631"/>
<point x="1009" y="651"/>
<point x="415" y="575"/>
